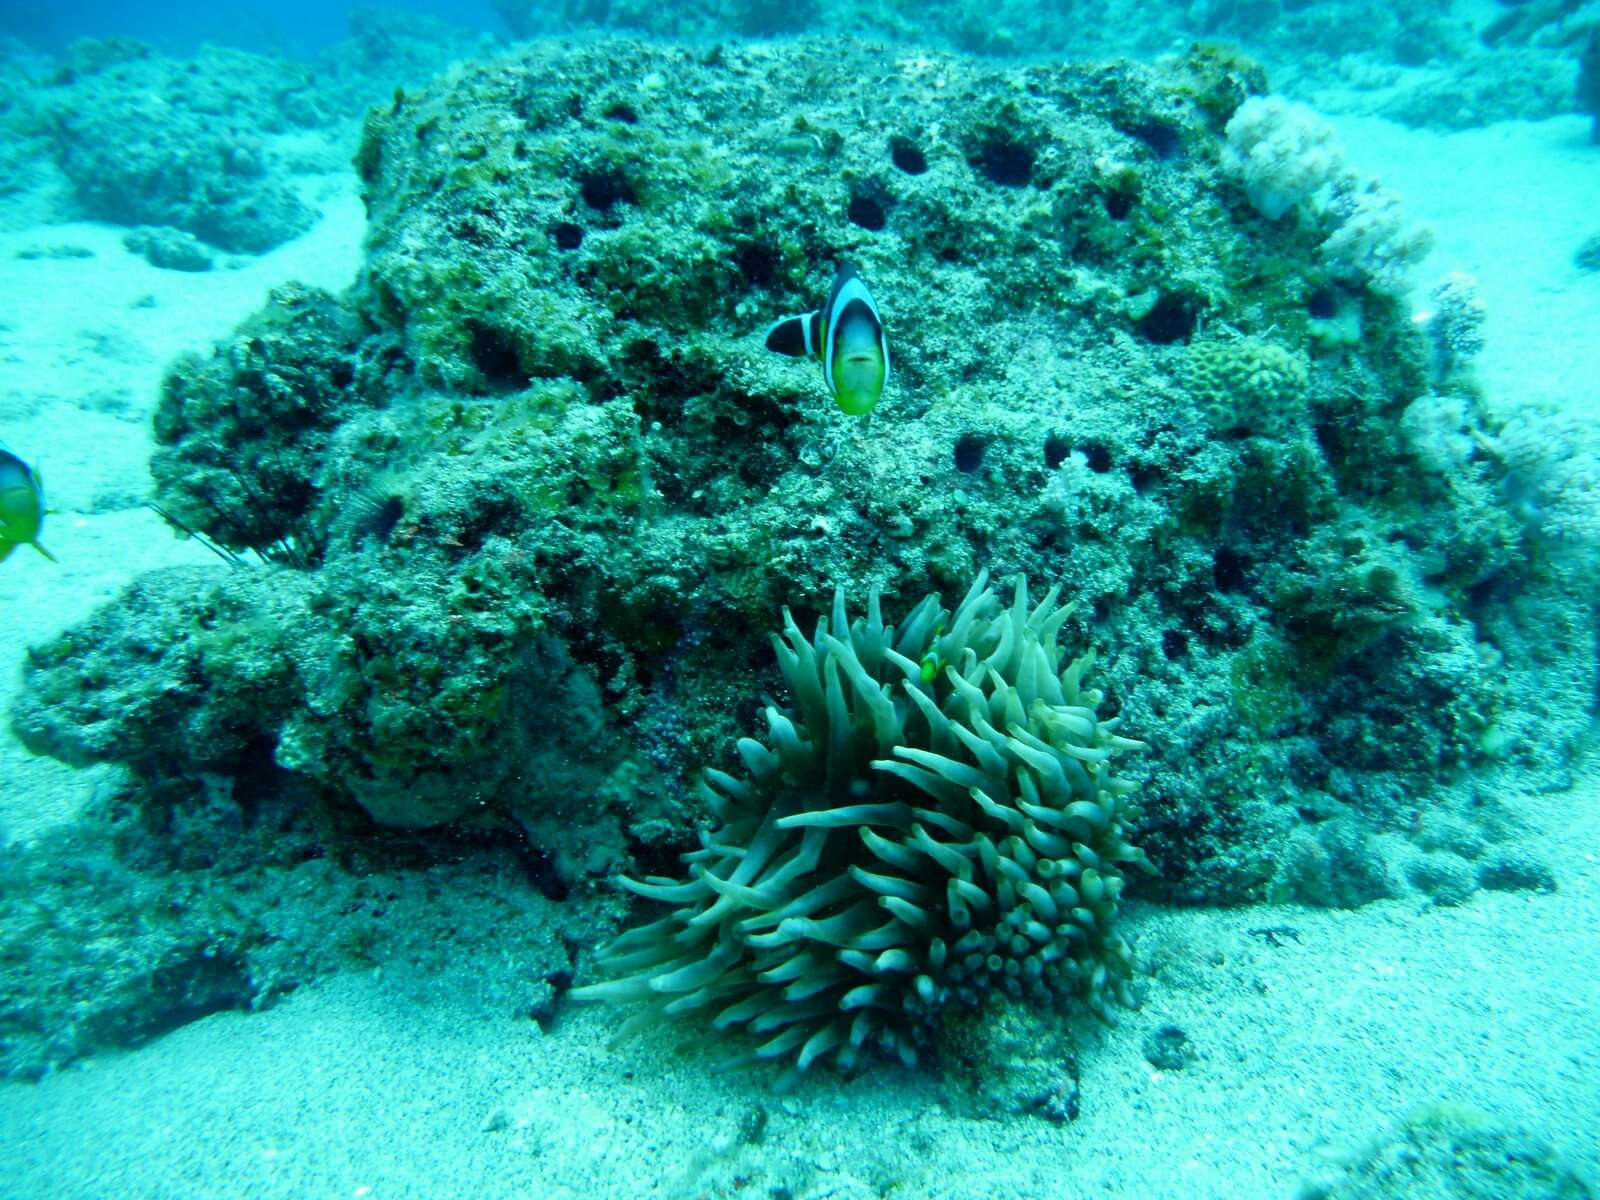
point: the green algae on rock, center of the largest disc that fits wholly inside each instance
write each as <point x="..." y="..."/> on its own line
<point x="593" y="481"/>
<point x="146" y="140"/>
<point x="933" y="820"/>
<point x="242" y="438"/>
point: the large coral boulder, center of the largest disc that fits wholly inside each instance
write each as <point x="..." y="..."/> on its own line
<point x="552" y="487"/>
<point x="147" y="140"/>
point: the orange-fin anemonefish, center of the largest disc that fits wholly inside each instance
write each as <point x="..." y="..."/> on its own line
<point x="847" y="335"/>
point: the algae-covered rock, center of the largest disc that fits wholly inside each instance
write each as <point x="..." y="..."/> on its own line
<point x="243" y="436"/>
<point x="1516" y="869"/>
<point x="209" y="145"/>
<point x="162" y="905"/>
<point x="1337" y="866"/>
<point x="1512" y="84"/>
<point x="1446" y="878"/>
<point x="185" y="673"/>
<point x="196" y="672"/>
<point x="1589" y="81"/>
<point x="147" y="140"/>
<point x="169" y="249"/>
<point x="543" y="489"/>
<point x="1417" y="64"/>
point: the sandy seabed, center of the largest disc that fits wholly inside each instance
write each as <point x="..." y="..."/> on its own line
<point x="358" y="1087"/>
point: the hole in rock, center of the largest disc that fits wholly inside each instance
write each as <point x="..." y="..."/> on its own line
<point x="1004" y="161"/>
<point x="1172" y="319"/>
<point x="905" y="155"/>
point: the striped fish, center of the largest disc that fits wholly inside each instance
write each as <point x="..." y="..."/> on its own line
<point x="847" y="335"/>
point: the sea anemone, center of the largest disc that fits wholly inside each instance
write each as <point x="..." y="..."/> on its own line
<point x="933" y="818"/>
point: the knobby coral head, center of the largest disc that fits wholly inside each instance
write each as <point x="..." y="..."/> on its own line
<point x="932" y="819"/>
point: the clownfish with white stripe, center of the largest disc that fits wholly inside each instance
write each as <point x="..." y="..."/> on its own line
<point x="847" y="335"/>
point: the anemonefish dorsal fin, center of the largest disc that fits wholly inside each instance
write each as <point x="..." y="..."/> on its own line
<point x="797" y="337"/>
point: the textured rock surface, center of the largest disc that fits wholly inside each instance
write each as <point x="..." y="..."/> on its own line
<point x="145" y="142"/>
<point x="172" y="902"/>
<point x="1453" y="1152"/>
<point x="1421" y="64"/>
<point x="547" y="490"/>
<point x="209" y="145"/>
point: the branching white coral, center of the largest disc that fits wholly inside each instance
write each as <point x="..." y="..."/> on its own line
<point x="1287" y="159"/>
<point x="1282" y="153"/>
<point x="1455" y="323"/>
<point x="1552" y="460"/>
<point x="1439" y="431"/>
<point x="1371" y="239"/>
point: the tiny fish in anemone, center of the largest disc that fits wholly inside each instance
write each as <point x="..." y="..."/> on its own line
<point x="904" y="838"/>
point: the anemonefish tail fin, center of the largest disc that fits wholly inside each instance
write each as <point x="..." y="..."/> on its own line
<point x="45" y="552"/>
<point x="794" y="336"/>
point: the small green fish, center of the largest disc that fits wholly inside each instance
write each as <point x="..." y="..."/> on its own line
<point x="847" y="335"/>
<point x="21" y="506"/>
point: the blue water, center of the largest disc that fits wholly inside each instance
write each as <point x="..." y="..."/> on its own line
<point x="298" y="26"/>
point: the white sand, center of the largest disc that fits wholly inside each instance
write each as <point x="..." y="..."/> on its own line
<point x="358" y="1088"/>
<point x="1302" y="1047"/>
<point x="1509" y="205"/>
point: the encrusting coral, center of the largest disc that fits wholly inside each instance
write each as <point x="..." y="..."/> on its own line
<point x="933" y="819"/>
<point x="1249" y="383"/>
